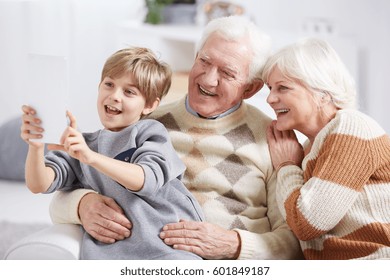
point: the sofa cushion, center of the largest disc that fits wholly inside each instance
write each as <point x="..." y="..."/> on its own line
<point x="13" y="150"/>
<point x="57" y="242"/>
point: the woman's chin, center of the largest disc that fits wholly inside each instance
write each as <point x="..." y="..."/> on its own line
<point x="281" y="126"/>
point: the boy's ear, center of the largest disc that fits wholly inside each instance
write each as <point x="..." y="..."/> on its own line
<point x="252" y="88"/>
<point x="149" y="108"/>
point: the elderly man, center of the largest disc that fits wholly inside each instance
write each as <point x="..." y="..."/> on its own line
<point x="222" y="141"/>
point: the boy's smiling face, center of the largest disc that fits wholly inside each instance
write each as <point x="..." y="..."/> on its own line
<point x="120" y="103"/>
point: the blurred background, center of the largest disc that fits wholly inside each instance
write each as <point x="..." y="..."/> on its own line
<point x="88" y="31"/>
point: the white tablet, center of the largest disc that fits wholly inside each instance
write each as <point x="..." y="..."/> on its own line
<point x="47" y="92"/>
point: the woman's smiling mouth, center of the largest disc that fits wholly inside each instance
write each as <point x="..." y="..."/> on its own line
<point x="281" y="111"/>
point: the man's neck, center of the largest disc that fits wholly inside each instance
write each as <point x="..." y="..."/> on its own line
<point x="193" y="112"/>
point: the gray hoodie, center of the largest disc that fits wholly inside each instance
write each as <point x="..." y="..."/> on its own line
<point x="163" y="198"/>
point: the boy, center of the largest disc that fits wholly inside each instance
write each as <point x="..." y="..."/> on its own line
<point x="131" y="160"/>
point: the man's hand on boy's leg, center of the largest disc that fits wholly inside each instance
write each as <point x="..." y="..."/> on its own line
<point x="202" y="238"/>
<point x="103" y="218"/>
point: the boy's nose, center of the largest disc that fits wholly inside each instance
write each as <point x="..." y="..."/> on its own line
<point x="116" y="95"/>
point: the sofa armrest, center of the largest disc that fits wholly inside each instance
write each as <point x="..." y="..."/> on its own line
<point x="57" y="242"/>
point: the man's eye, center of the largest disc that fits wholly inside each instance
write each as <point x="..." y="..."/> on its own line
<point x="228" y="74"/>
<point x="204" y="61"/>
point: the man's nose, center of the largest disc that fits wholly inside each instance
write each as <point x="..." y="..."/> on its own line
<point x="212" y="77"/>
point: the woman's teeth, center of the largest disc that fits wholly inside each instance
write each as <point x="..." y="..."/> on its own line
<point x="281" y="111"/>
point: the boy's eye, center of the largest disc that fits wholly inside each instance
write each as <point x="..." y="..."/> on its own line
<point x="130" y="92"/>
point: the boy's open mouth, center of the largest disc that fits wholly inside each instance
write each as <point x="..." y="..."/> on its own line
<point x="112" y="110"/>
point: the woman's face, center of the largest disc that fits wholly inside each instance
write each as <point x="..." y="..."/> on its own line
<point x="294" y="105"/>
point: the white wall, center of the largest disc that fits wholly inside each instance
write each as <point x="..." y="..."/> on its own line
<point x="365" y="23"/>
<point x="82" y="30"/>
<point x="86" y="30"/>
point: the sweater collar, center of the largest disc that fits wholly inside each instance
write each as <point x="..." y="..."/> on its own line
<point x="228" y="112"/>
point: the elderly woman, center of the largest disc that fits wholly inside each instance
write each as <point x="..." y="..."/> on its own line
<point x="334" y="192"/>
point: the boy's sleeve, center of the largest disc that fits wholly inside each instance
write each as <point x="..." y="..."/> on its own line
<point x="157" y="157"/>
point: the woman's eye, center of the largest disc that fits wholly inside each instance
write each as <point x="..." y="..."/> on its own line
<point x="281" y="88"/>
<point x="108" y="84"/>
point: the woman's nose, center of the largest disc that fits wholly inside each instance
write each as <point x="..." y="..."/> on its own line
<point x="272" y="98"/>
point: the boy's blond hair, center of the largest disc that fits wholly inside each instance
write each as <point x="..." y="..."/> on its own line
<point x="153" y="77"/>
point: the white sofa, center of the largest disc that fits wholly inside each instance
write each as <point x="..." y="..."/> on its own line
<point x="21" y="208"/>
<point x="57" y="242"/>
<point x="23" y="212"/>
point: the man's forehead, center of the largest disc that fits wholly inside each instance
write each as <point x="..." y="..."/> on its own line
<point x="226" y="57"/>
<point x="221" y="61"/>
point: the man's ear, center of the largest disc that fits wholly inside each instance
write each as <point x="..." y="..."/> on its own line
<point x="149" y="108"/>
<point x="252" y="88"/>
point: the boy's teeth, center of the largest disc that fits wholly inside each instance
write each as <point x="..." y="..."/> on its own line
<point x="112" y="110"/>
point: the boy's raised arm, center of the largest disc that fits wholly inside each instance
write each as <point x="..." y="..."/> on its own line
<point x="38" y="176"/>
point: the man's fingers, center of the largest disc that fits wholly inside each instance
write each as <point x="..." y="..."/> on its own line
<point x="115" y="230"/>
<point x="116" y="214"/>
<point x="182" y="224"/>
<point x="113" y="205"/>
<point x="103" y="235"/>
<point x="107" y="231"/>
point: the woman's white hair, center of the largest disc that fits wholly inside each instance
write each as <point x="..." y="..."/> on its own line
<point x="234" y="28"/>
<point x="316" y="65"/>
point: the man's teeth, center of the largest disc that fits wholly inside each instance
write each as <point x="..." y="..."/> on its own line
<point x="206" y="92"/>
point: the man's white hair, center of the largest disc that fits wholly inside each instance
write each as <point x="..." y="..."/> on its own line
<point x="235" y="28"/>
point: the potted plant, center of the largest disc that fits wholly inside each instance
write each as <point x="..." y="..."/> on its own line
<point x="155" y="9"/>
